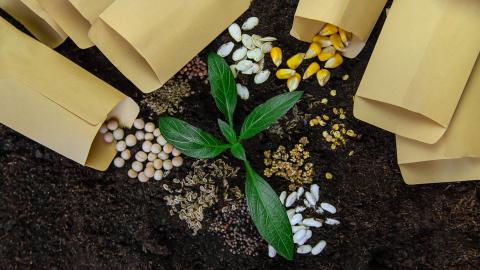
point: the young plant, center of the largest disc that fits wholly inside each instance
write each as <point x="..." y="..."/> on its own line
<point x="265" y="208"/>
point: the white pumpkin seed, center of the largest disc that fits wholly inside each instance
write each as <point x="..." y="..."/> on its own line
<point x="225" y="49"/>
<point x="331" y="221"/>
<point x="299" y="236"/>
<point x="306" y="238"/>
<point x="243" y="92"/>
<point x="267" y="47"/>
<point x="283" y="196"/>
<point x="315" y="190"/>
<point x="300" y="192"/>
<point x="255" y="54"/>
<point x="318" y="248"/>
<point x="328" y="207"/>
<point x="291" y="199"/>
<point x="268" y="39"/>
<point x="234" y="70"/>
<point x="271" y="252"/>
<point x="295" y="219"/>
<point x="300" y="209"/>
<point x="256" y="41"/>
<point x="311" y="222"/>
<point x="261" y="63"/>
<point x="248" y="42"/>
<point x="304" y="249"/>
<point x="235" y="32"/>
<point x="239" y="54"/>
<point x="290" y="213"/>
<point x="310" y="198"/>
<point x="250" y="23"/>
<point x="244" y="65"/>
<point x="262" y="76"/>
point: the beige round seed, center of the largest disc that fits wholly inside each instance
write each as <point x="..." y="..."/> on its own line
<point x="149" y="137"/>
<point x="112" y="124"/>
<point x="142" y="177"/>
<point x="103" y="128"/>
<point x="176" y="152"/>
<point x="118" y="134"/>
<point x="151" y="157"/>
<point x="147" y="146"/>
<point x="140" y="135"/>
<point x="156" y="132"/>
<point x="161" y="140"/>
<point x="167" y="165"/>
<point x="156" y="148"/>
<point x="119" y="162"/>
<point x="149" y="172"/>
<point x="149" y="127"/>
<point x="139" y="123"/>
<point x="137" y="166"/>
<point x="168" y="148"/>
<point x="108" y="137"/>
<point x="132" y="174"/>
<point x="126" y="154"/>
<point x="163" y="156"/>
<point x="158" y="175"/>
<point x="141" y="156"/>
<point x="130" y="140"/>
<point x="149" y="164"/>
<point x="158" y="164"/>
<point x="177" y="161"/>
<point x="121" y="146"/>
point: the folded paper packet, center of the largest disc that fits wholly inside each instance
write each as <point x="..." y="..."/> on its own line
<point x="37" y="21"/>
<point x="419" y="67"/>
<point x="456" y="156"/>
<point x="75" y="17"/>
<point x="150" y="41"/>
<point x="51" y="100"/>
<point x="355" y="16"/>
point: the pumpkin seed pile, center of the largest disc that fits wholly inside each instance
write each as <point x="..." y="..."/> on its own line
<point x="291" y="166"/>
<point x="303" y="216"/>
<point x="249" y="58"/>
<point x="198" y="191"/>
<point x="327" y="46"/>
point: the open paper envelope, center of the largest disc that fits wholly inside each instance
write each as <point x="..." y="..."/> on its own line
<point x="420" y="66"/>
<point x="456" y="156"/>
<point x="88" y="9"/>
<point x="31" y="15"/>
<point x="70" y="20"/>
<point x="150" y="41"/>
<point x="51" y="100"/>
<point x="355" y="16"/>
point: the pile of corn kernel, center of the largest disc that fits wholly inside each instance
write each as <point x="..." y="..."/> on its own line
<point x="291" y="166"/>
<point x="327" y="46"/>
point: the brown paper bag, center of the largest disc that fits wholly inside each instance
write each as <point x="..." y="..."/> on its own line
<point x="53" y="101"/>
<point x="150" y="41"/>
<point x="31" y="15"/>
<point x="355" y="16"/>
<point x="72" y="22"/>
<point x="456" y="156"/>
<point x="419" y="67"/>
<point x="90" y="10"/>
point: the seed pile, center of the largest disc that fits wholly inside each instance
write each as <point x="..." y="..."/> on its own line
<point x="152" y="160"/>
<point x="169" y="98"/>
<point x="195" y="69"/>
<point x="233" y="224"/>
<point x="198" y="191"/>
<point x="249" y="58"/>
<point x="336" y="133"/>
<point x="303" y="216"/>
<point x="291" y="166"/>
<point x="327" y="46"/>
<point x="289" y="123"/>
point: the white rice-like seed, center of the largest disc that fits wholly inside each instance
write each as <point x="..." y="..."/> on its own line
<point x="306" y="238"/>
<point x="225" y="49"/>
<point x="304" y="249"/>
<point x="315" y="190"/>
<point x="290" y="213"/>
<point x="298" y="228"/>
<point x="299" y="236"/>
<point x="300" y="192"/>
<point x="310" y="198"/>
<point x="332" y="221"/>
<point x="318" y="248"/>
<point x="300" y="209"/>
<point x="328" y="207"/>
<point x="291" y="199"/>
<point x="282" y="197"/>
<point x="271" y="252"/>
<point x="311" y="222"/>
<point x="295" y="219"/>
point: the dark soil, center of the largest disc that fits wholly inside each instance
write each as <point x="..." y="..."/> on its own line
<point x="56" y="214"/>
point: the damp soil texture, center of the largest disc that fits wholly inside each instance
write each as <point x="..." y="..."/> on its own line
<point x="56" y="214"/>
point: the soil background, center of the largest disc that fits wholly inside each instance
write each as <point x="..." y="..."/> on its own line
<point x="56" y="214"/>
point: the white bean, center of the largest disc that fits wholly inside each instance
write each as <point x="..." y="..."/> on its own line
<point x="282" y="197"/>
<point x="290" y="213"/>
<point x="299" y="236"/>
<point x="315" y="190"/>
<point x="331" y="221"/>
<point x="291" y="199"/>
<point x="318" y="248"/>
<point x="300" y="192"/>
<point x="311" y="222"/>
<point x="304" y="249"/>
<point x="328" y="207"/>
<point x="310" y="198"/>
<point x="300" y="209"/>
<point x="306" y="238"/>
<point x="271" y="252"/>
<point x="295" y="219"/>
<point x="298" y="228"/>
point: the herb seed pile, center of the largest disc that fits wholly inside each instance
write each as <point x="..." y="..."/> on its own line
<point x="154" y="159"/>
<point x="291" y="166"/>
<point x="249" y="59"/>
<point x="169" y="98"/>
<point x="303" y="215"/>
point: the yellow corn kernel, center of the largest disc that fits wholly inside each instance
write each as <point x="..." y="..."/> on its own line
<point x="277" y="57"/>
<point x="337" y="42"/>
<point x="334" y="62"/>
<point x="314" y="50"/>
<point x="323" y="75"/>
<point x="295" y="60"/>
<point x="328" y="29"/>
<point x="324" y="101"/>
<point x="293" y="82"/>
<point x="333" y="93"/>
<point x="345" y="36"/>
<point x="285" y="73"/>
<point x="311" y="70"/>
<point x="323" y="41"/>
<point x="329" y="176"/>
<point x="327" y="53"/>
